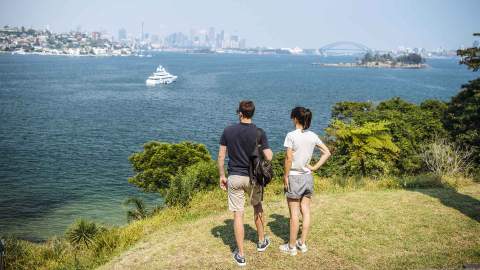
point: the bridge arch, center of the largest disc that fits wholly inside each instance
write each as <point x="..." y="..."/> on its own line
<point x="344" y="46"/>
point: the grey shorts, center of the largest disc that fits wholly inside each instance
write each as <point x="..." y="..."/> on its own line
<point x="300" y="186"/>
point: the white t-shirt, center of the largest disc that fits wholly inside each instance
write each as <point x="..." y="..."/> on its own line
<point x="302" y="143"/>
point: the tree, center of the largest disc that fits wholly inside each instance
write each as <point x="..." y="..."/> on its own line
<point x="436" y="107"/>
<point x="410" y="127"/>
<point x="366" y="148"/>
<point x="470" y="56"/>
<point x="348" y="109"/>
<point x="158" y="164"/>
<point x="411" y="58"/>
<point x="462" y="117"/>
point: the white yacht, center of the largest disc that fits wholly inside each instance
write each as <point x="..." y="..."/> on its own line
<point x="160" y="76"/>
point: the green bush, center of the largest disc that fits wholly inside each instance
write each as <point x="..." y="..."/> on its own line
<point x="365" y="149"/>
<point x="278" y="162"/>
<point x="462" y="118"/>
<point x="410" y="127"/>
<point x="347" y="110"/>
<point x="82" y="232"/>
<point x="199" y="176"/>
<point x="158" y="164"/>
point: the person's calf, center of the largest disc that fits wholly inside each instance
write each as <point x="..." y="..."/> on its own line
<point x="238" y="229"/>
<point x="259" y="219"/>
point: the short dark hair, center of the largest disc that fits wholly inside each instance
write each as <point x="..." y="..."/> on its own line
<point x="247" y="108"/>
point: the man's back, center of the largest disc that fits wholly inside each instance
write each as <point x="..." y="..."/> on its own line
<point x="240" y="140"/>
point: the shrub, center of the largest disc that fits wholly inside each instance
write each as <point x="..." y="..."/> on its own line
<point x="346" y="110"/>
<point x="278" y="162"/>
<point x="444" y="158"/>
<point x="199" y="176"/>
<point x="365" y="149"/>
<point x="462" y="118"/>
<point x="82" y="232"/>
<point x="158" y="164"/>
<point x="410" y="127"/>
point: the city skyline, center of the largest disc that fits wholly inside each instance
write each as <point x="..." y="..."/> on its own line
<point x="377" y="24"/>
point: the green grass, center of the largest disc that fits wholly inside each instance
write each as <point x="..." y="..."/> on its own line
<point x="357" y="223"/>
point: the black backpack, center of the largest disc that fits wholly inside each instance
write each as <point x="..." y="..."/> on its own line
<point x="261" y="171"/>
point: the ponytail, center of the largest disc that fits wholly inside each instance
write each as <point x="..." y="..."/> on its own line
<point x="303" y="116"/>
<point x="308" y="119"/>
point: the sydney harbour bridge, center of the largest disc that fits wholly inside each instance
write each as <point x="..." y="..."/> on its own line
<point x="344" y="48"/>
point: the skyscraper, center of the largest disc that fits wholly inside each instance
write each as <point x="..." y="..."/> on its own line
<point x="219" y="40"/>
<point x="234" y="42"/>
<point x="211" y="37"/>
<point x="242" y="44"/>
<point x="122" y="34"/>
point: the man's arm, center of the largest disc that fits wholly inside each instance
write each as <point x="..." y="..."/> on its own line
<point x="325" y="155"/>
<point x="288" y="165"/>
<point x="221" y="166"/>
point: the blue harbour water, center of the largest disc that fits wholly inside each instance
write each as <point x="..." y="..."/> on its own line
<point x="68" y="124"/>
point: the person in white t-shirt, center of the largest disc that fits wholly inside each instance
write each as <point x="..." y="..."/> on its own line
<point x="298" y="178"/>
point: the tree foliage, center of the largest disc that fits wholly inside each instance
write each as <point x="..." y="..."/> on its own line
<point x="410" y="126"/>
<point x="199" y="176"/>
<point x="278" y="162"/>
<point x="159" y="163"/>
<point x="348" y="109"/>
<point x="411" y="58"/>
<point x="462" y="118"/>
<point x="367" y="148"/>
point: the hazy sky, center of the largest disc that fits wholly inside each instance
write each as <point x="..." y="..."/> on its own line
<point x="379" y="24"/>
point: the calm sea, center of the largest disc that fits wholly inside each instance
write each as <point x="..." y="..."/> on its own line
<point x="68" y="124"/>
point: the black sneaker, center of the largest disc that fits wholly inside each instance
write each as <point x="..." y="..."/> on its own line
<point x="263" y="246"/>
<point x="239" y="259"/>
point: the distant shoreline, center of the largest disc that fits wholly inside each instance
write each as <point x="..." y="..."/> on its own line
<point x="373" y="65"/>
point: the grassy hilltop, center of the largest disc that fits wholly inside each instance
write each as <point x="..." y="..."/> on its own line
<point x="367" y="228"/>
<point x="357" y="224"/>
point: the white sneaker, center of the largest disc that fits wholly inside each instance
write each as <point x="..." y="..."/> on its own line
<point x="302" y="247"/>
<point x="285" y="248"/>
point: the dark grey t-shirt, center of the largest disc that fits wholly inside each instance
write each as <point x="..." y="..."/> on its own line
<point x="240" y="140"/>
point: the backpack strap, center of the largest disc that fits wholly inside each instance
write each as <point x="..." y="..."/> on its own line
<point x="259" y="136"/>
